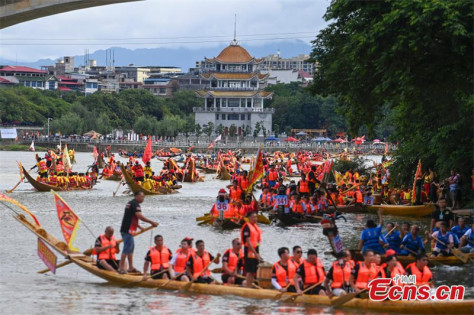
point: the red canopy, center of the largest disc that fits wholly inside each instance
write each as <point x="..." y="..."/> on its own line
<point x="339" y="140"/>
<point x="292" y="139"/>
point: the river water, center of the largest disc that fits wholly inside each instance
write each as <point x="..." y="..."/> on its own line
<point x="72" y="290"/>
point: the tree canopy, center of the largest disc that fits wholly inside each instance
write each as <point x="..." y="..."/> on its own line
<point x="411" y="59"/>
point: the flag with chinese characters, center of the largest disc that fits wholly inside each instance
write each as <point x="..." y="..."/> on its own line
<point x="327" y="167"/>
<point x="68" y="220"/>
<point x="257" y="171"/>
<point x="417" y="175"/>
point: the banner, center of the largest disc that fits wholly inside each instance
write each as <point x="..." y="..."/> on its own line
<point x="8" y="133"/>
<point x="66" y="160"/>
<point x="147" y="153"/>
<point x="417" y="175"/>
<point x="47" y="256"/>
<point x="257" y="170"/>
<point x="68" y="220"/>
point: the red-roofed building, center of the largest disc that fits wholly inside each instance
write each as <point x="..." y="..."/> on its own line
<point x="29" y="77"/>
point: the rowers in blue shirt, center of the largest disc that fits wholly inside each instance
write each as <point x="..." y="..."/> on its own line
<point x="371" y="237"/>
<point x="412" y="244"/>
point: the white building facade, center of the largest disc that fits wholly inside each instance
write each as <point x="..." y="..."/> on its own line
<point x="235" y="92"/>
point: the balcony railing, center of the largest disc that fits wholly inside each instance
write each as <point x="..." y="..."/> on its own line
<point x="234" y="110"/>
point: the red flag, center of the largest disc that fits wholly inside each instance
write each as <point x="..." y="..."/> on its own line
<point x="68" y="220"/>
<point x="257" y="170"/>
<point x="210" y="145"/>
<point x="147" y="154"/>
<point x="417" y="175"/>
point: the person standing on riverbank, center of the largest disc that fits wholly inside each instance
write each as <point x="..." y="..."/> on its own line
<point x="133" y="213"/>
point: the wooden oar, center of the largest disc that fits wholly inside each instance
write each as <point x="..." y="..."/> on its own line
<point x="346" y="298"/>
<point x="88" y="252"/>
<point x="118" y="187"/>
<point x="460" y="255"/>
<point x="203" y="218"/>
<point x="293" y="297"/>
<point x="279" y="295"/>
<point x="17" y="184"/>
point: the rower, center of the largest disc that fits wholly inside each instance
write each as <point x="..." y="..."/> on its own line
<point x="420" y="270"/>
<point x="303" y="186"/>
<point x="235" y="192"/>
<point x="445" y="241"/>
<point x="221" y="206"/>
<point x="349" y="258"/>
<point x="405" y="229"/>
<point x="441" y="214"/>
<point x="412" y="243"/>
<point x="370" y="236"/>
<point x="272" y="176"/>
<point x="147" y="170"/>
<point x="337" y="279"/>
<point x="363" y="272"/>
<point x="390" y="269"/>
<point x="283" y="272"/>
<point x="251" y="237"/>
<point x="42" y="167"/>
<point x="200" y="261"/>
<point x="297" y="257"/>
<point x="232" y="264"/>
<point x="159" y="257"/>
<point x="467" y="241"/>
<point x="394" y="239"/>
<point x="180" y="259"/>
<point x="459" y="230"/>
<point x="308" y="274"/>
<point x="106" y="247"/>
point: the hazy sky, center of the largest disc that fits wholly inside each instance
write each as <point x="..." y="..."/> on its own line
<point x="153" y="23"/>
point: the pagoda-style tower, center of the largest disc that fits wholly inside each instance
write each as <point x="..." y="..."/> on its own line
<point x="235" y="92"/>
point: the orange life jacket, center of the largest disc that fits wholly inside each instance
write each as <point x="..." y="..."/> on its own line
<point x="233" y="259"/>
<point x="235" y="193"/>
<point x="358" y="196"/>
<point x="298" y="208"/>
<point x="365" y="275"/>
<point x="304" y="188"/>
<point x="199" y="263"/>
<point x="421" y="277"/>
<point x="42" y="166"/>
<point x="159" y="258"/>
<point x="284" y="277"/>
<point x="181" y="260"/>
<point x="310" y="274"/>
<point x="53" y="180"/>
<point x="272" y="175"/>
<point x="340" y="276"/>
<point x="108" y="253"/>
<point x="59" y="168"/>
<point x="395" y="271"/>
<point x="255" y="237"/>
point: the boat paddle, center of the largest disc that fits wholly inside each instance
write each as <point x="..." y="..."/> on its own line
<point x="88" y="252"/>
<point x="118" y="187"/>
<point x="346" y="298"/>
<point x="460" y="255"/>
<point x="279" y="295"/>
<point x="17" y="184"/>
<point x="293" y="297"/>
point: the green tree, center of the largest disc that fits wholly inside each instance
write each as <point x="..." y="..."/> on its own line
<point x="256" y="130"/>
<point x="276" y="130"/>
<point x="412" y="59"/>
<point x="220" y="130"/>
<point x="264" y="130"/>
<point x="209" y="130"/>
<point x="247" y="130"/>
<point x="233" y="130"/>
<point x="198" y="130"/>
<point x="144" y="125"/>
<point x="103" y="124"/>
<point x="68" y="124"/>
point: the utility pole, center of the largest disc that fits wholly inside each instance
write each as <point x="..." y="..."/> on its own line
<point x="49" y="118"/>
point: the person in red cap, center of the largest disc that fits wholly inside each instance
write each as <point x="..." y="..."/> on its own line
<point x="221" y="207"/>
<point x="388" y="253"/>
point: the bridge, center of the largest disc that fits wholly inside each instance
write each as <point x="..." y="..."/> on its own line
<point x="17" y="11"/>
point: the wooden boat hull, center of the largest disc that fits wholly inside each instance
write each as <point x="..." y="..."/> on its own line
<point x="412" y="211"/>
<point x="226" y="224"/>
<point x="288" y="220"/>
<point x="432" y="261"/>
<point x="135" y="187"/>
<point x="224" y="174"/>
<point x="86" y="263"/>
<point x="45" y="187"/>
<point x="114" y="177"/>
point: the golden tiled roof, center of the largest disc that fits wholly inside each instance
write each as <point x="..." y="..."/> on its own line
<point x="234" y="76"/>
<point x="234" y="53"/>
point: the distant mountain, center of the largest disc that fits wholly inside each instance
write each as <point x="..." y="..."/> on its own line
<point x="179" y="57"/>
